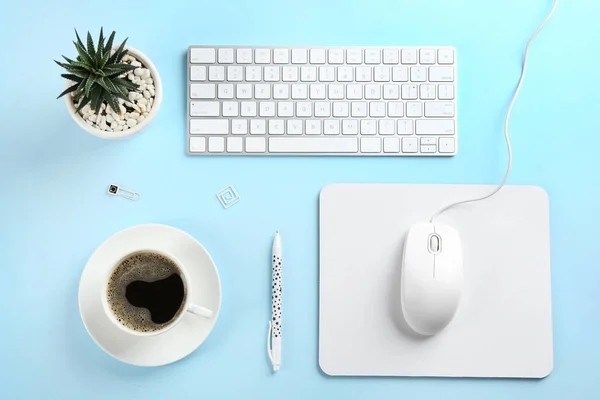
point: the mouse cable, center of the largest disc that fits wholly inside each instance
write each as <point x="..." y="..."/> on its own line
<point x="506" y="123"/>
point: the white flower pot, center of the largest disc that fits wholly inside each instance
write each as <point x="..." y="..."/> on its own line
<point x="131" y="131"/>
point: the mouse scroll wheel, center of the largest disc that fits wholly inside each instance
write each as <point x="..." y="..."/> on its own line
<point x="434" y="244"/>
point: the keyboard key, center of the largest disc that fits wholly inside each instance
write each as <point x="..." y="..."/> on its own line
<point x="414" y="109"/>
<point x="372" y="56"/>
<point x="370" y="145"/>
<point x="216" y="73"/>
<point x="435" y="127"/>
<point x="427" y="56"/>
<point x="395" y="109"/>
<point x="197" y="145"/>
<point x="418" y="74"/>
<point x="372" y="92"/>
<point x="318" y="91"/>
<point x="391" y="92"/>
<point x="405" y="127"/>
<point x="350" y="127"/>
<point x="354" y="56"/>
<point x="295" y="126"/>
<point x="368" y="127"/>
<point x="445" y="56"/>
<point x="256" y="145"/>
<point x="387" y="127"/>
<point x="439" y="109"/>
<point x="409" y="145"/>
<point x="340" y="109"/>
<point x="299" y="56"/>
<point x="313" y="127"/>
<point x="267" y="109"/>
<point x="427" y="92"/>
<point x="225" y="56"/>
<point x="308" y="74"/>
<point x="377" y="109"/>
<point x="244" y="91"/>
<point x="400" y="74"/>
<point x="235" y="73"/>
<point x="391" y="145"/>
<point x="390" y="56"/>
<point x="304" y="109"/>
<point x="290" y="74"/>
<point x="239" y="126"/>
<point x="336" y="56"/>
<point x="204" y="108"/>
<point x="253" y="74"/>
<point x="446" y="92"/>
<point x="262" y="91"/>
<point x="441" y="74"/>
<point x="230" y="109"/>
<point x="202" y="56"/>
<point x="244" y="56"/>
<point x="336" y="92"/>
<point x="225" y="91"/>
<point x="354" y="92"/>
<point x="447" y="145"/>
<point x="363" y="74"/>
<point x="381" y="74"/>
<point x="331" y="127"/>
<point x="262" y="56"/>
<point x="197" y="73"/>
<point x="409" y="56"/>
<point x="234" y="144"/>
<point x="271" y="74"/>
<point x="409" y="92"/>
<point x="248" y="109"/>
<point x="216" y="144"/>
<point x="326" y="74"/>
<point x="359" y="109"/>
<point x="428" y="148"/>
<point x="281" y="56"/>
<point x="345" y="74"/>
<point x="203" y="90"/>
<point x="322" y="109"/>
<point x="317" y="56"/>
<point x="299" y="91"/>
<point x="313" y="145"/>
<point x="258" y="127"/>
<point x="285" y="109"/>
<point x="276" y="127"/>
<point x="281" y="91"/>
<point x="426" y="141"/>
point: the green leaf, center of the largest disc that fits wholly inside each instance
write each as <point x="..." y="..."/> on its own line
<point x="96" y="97"/>
<point x="103" y="60"/>
<point x="125" y="83"/>
<point x="72" y="77"/>
<point x="118" y="68"/>
<point x="109" y="85"/>
<point x="90" y="46"/>
<point x="85" y="57"/>
<point x="82" y="65"/>
<point x="76" y="70"/>
<point x="113" y="58"/>
<point x="67" y="59"/>
<point x="79" y="92"/>
<point x="68" y="90"/>
<point x="88" y="84"/>
<point x="82" y="104"/>
<point x="112" y="102"/>
<point x="78" y="39"/>
<point x="120" y="56"/>
<point x="109" y="44"/>
<point x="100" y="51"/>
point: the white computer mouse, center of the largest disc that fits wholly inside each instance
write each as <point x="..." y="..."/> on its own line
<point x="431" y="277"/>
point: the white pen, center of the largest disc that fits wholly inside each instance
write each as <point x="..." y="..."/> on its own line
<point x="274" y="339"/>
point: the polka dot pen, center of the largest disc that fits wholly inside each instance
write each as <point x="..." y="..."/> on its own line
<point x="274" y="339"/>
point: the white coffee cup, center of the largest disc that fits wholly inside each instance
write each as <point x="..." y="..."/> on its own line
<point x="188" y="306"/>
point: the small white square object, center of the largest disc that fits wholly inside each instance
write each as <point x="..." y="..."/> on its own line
<point x="228" y="197"/>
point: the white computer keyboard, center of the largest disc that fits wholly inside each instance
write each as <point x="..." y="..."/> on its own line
<point x="376" y="101"/>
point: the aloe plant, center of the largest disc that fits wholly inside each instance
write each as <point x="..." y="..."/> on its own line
<point x="97" y="74"/>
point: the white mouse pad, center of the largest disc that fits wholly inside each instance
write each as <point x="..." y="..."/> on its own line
<point x="503" y="326"/>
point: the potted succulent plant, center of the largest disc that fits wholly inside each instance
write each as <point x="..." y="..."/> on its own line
<point x="112" y="92"/>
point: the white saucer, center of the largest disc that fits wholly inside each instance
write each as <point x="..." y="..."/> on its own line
<point x="183" y="338"/>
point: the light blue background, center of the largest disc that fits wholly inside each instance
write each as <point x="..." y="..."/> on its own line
<point x="54" y="210"/>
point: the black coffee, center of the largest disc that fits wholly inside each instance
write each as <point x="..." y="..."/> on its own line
<point x="145" y="292"/>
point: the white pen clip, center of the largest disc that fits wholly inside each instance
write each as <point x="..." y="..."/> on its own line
<point x="269" y="348"/>
<point x="125" y="193"/>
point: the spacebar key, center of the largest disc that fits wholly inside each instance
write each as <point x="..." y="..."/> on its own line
<point x="313" y="145"/>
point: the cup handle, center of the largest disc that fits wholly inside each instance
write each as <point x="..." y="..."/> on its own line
<point x="200" y="311"/>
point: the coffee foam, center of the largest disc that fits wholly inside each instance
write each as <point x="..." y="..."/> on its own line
<point x="148" y="267"/>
